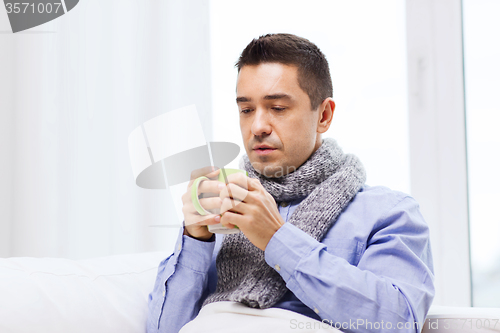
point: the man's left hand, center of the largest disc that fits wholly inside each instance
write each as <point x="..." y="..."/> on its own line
<point x="247" y="205"/>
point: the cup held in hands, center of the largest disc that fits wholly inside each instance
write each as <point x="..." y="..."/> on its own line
<point x="215" y="228"/>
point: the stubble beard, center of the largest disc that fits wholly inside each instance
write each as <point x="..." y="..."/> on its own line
<point x="271" y="171"/>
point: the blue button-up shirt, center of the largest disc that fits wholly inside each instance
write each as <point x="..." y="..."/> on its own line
<point x="371" y="270"/>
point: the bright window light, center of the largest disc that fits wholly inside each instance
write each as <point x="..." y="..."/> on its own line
<point x="482" y="86"/>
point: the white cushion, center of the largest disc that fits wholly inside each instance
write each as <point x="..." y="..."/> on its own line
<point x="109" y="294"/>
<point x="101" y="295"/>
<point x="462" y="319"/>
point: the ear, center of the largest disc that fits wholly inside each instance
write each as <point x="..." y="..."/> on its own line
<point x="326" y="110"/>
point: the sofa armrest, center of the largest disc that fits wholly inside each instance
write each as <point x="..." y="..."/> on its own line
<point x="107" y="294"/>
<point x="462" y="319"/>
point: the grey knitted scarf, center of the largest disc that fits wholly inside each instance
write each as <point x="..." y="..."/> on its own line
<point x="329" y="179"/>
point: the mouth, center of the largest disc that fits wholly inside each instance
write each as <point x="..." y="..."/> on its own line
<point x="263" y="150"/>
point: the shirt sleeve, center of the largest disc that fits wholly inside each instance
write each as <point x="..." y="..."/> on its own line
<point x="391" y="287"/>
<point x="180" y="286"/>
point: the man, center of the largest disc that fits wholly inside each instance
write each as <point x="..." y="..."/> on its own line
<point x="315" y="241"/>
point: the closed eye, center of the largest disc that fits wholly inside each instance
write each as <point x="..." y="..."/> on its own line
<point x="277" y="108"/>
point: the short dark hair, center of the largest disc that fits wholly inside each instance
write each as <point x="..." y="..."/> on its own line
<point x="313" y="71"/>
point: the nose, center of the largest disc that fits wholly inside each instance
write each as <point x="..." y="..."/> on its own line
<point x="261" y="125"/>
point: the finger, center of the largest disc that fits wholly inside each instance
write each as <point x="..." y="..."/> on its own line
<point x="254" y="184"/>
<point x="203" y="220"/>
<point x="239" y="179"/>
<point x="188" y="209"/>
<point x="214" y="174"/>
<point x="233" y="191"/>
<point x="206" y="203"/>
<point x="230" y="220"/>
<point x="186" y="198"/>
<point x="208" y="219"/>
<point x="207" y="171"/>
<point x="245" y="182"/>
<point x="210" y="203"/>
<point x="207" y="195"/>
<point x="210" y="186"/>
<point x="209" y="191"/>
<point x="234" y="206"/>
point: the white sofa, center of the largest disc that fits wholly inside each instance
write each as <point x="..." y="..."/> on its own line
<point x="462" y="320"/>
<point x="109" y="295"/>
<point x="100" y="295"/>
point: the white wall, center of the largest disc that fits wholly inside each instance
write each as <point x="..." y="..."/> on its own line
<point x="6" y="133"/>
<point x="72" y="91"/>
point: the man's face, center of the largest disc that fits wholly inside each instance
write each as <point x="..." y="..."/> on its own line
<point x="278" y="127"/>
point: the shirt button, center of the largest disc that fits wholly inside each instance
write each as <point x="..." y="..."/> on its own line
<point x="179" y="247"/>
<point x="277" y="267"/>
<point x="164" y="293"/>
<point x="284" y="204"/>
<point x="316" y="310"/>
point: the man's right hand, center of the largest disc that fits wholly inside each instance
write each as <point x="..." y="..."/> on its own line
<point x="196" y="224"/>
